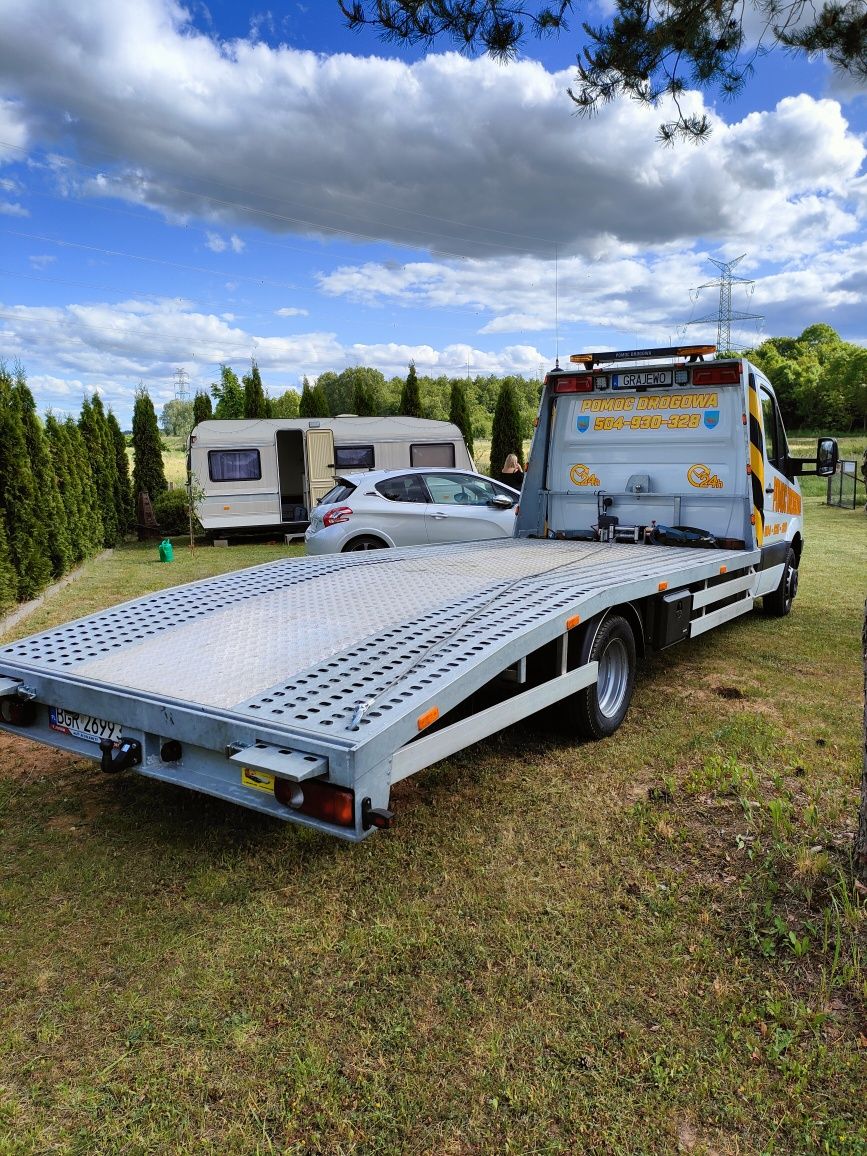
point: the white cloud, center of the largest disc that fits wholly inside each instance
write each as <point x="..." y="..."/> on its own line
<point x="475" y="173"/>
<point x="472" y="157"/>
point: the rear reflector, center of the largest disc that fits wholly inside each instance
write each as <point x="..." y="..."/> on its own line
<point x="318" y="800"/>
<point x="573" y="383"/>
<point x="717" y="374"/>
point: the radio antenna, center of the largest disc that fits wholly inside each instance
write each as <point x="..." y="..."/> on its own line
<point x="556" y="307"/>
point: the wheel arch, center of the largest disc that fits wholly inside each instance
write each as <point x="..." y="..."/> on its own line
<point x="348" y="545"/>
<point x="627" y="610"/>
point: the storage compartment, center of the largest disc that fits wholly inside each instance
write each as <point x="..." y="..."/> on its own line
<point x="671" y="617"/>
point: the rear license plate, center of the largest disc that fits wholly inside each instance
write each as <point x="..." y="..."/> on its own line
<point x="83" y="726"/>
<point x="641" y="380"/>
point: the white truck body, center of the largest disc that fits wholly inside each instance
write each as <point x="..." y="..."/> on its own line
<point x="269" y="472"/>
<point x="306" y="688"/>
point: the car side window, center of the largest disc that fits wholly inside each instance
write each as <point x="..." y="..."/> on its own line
<point x="775" y="435"/>
<point x="407" y="488"/>
<point x="460" y="489"/>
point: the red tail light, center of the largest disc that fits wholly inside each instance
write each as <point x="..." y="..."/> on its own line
<point x="17" y="712"/>
<point x="574" y="383"/>
<point x="338" y="514"/>
<point x="318" y="800"/>
<point x="717" y="374"/>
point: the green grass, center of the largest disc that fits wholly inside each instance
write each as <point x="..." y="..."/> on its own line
<point x="639" y="946"/>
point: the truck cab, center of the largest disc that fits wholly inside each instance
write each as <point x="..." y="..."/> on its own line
<point x="661" y="445"/>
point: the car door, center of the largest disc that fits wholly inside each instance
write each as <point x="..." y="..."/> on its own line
<point x="399" y="509"/>
<point x="782" y="498"/>
<point x="461" y="511"/>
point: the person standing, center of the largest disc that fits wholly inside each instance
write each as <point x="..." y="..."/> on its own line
<point x="511" y="473"/>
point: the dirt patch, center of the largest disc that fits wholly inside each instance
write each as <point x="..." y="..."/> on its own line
<point x="21" y="760"/>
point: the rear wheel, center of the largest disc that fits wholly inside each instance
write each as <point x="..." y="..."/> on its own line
<point x="602" y="707"/>
<point x="778" y="603"/>
<point x="366" y="542"/>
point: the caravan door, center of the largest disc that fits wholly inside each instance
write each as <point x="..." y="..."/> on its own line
<point x="320" y="463"/>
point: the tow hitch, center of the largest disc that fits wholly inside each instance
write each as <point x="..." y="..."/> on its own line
<point x="128" y="754"/>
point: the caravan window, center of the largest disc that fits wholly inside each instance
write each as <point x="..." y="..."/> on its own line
<point x="353" y="457"/>
<point x="234" y="465"/>
<point x="433" y="454"/>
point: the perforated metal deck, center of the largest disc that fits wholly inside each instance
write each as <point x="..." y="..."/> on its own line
<point x="330" y="665"/>
<point x="301" y="643"/>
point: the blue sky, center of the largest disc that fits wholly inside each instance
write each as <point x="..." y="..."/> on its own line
<point x="182" y="186"/>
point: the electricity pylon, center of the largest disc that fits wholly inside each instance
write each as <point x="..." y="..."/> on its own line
<point x="181" y="377"/>
<point x="726" y="314"/>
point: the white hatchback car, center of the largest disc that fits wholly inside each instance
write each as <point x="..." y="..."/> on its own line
<point x="413" y="507"/>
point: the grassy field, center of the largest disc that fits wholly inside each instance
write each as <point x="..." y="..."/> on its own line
<point x="646" y="945"/>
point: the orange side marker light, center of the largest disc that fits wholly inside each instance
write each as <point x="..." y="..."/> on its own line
<point x="429" y="717"/>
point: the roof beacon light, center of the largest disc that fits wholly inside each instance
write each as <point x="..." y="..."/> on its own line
<point x="690" y="352"/>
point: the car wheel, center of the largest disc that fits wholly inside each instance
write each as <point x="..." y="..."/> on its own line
<point x="778" y="603"/>
<point x="602" y="707"/>
<point x="366" y="542"/>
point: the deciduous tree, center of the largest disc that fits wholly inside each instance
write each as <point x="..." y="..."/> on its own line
<point x="176" y="418"/>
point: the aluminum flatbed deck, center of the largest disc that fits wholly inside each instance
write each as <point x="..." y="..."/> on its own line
<point x="331" y="667"/>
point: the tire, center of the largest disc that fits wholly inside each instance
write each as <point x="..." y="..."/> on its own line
<point x="602" y="707"/>
<point x="365" y="542"/>
<point x="778" y="603"/>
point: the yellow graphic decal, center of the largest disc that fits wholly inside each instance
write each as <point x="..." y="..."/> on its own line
<point x="776" y="528"/>
<point x="678" y="401"/>
<point x="649" y="421"/>
<point x="259" y="780"/>
<point x="757" y="462"/>
<point x="703" y="478"/>
<point x="583" y="476"/>
<point x="649" y="401"/>
<point x="786" y="499"/>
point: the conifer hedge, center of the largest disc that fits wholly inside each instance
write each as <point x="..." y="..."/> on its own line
<point x="64" y="489"/>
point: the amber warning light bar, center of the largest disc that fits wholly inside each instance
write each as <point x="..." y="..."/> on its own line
<point x="691" y="352"/>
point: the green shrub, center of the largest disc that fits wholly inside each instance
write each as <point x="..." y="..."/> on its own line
<point x="172" y="512"/>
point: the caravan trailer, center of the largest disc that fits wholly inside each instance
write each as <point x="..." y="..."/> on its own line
<point x="267" y="473"/>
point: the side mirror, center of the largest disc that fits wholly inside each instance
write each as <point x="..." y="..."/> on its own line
<point x="823" y="465"/>
<point x="827" y="456"/>
<point x="501" y="502"/>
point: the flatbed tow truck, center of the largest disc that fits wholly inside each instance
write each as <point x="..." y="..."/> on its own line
<point x="660" y="502"/>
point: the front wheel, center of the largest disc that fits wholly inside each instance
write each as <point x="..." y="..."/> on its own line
<point x="778" y="603"/>
<point x="366" y="542"/>
<point x="602" y="707"/>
